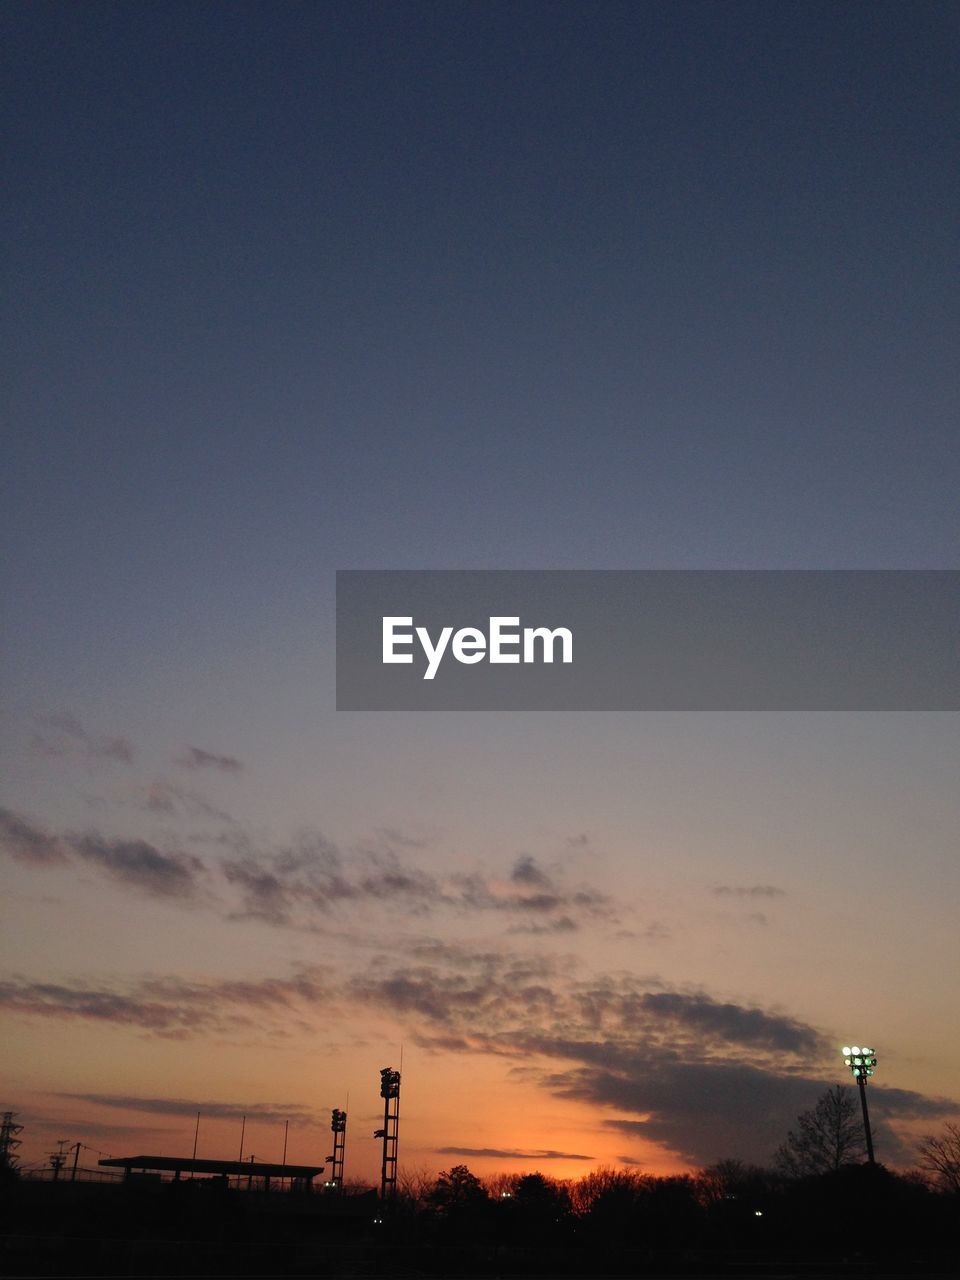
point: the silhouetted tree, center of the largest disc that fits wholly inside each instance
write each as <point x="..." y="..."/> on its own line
<point x="500" y="1184"/>
<point x="732" y="1179"/>
<point x="539" y="1205"/>
<point x="940" y="1156"/>
<point x="456" y="1189"/>
<point x="537" y="1188"/>
<point x="608" y="1194"/>
<point x="672" y="1211"/>
<point x="826" y="1138"/>
<point x="414" y="1184"/>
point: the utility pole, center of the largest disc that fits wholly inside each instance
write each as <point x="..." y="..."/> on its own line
<point x="243" y="1127"/>
<point x="58" y="1159"/>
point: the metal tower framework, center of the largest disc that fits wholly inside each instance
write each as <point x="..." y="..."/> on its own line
<point x="9" y="1141"/>
<point x="390" y="1092"/>
<point x="58" y="1159"/>
<point x="338" y="1124"/>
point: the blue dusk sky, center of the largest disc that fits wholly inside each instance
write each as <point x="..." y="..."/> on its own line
<point x="300" y="287"/>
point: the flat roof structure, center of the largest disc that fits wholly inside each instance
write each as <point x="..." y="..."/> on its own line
<point x="178" y="1165"/>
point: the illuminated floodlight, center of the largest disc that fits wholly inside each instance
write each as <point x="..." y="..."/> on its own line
<point x="861" y="1060"/>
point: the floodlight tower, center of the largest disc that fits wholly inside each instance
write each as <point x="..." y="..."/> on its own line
<point x="861" y="1062"/>
<point x="338" y="1124"/>
<point x="390" y="1092"/>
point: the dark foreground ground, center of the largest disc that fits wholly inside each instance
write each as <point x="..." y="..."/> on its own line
<point x="181" y="1230"/>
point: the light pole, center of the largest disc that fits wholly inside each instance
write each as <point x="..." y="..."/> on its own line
<point x="338" y="1124"/>
<point x="390" y="1092"/>
<point x="861" y="1062"/>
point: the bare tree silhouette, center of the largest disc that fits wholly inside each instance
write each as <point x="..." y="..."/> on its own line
<point x="829" y="1136"/>
<point x="940" y="1156"/>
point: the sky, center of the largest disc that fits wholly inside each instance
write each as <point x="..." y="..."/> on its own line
<point x="299" y="288"/>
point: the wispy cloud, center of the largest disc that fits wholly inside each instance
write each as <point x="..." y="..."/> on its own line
<point x="732" y="1023"/>
<point x="197" y="758"/>
<point x="112" y="749"/>
<point x="289" y="886"/>
<point x="512" y="1153"/>
<point x="173" y="1007"/>
<point x="748" y="891"/>
<point x="170" y="799"/>
<point x="699" y="1076"/>
<point x="267" y="1113"/>
<point x="526" y="872"/>
<point x="22" y="840"/>
<point x="54" y="1000"/>
<point x="299" y="885"/>
<point x="92" y="1130"/>
<point x="64" y="723"/>
<point x="63" y="734"/>
<point x="136" y="864"/>
<point x="142" y="866"/>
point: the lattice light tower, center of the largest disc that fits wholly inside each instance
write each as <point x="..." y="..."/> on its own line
<point x="338" y="1124"/>
<point x="861" y="1062"/>
<point x="9" y="1141"/>
<point x="390" y="1092"/>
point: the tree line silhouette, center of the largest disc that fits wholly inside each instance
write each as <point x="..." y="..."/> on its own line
<point x="817" y="1194"/>
<point x="818" y="1201"/>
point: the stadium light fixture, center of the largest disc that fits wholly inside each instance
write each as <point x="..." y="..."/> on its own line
<point x="862" y="1061"/>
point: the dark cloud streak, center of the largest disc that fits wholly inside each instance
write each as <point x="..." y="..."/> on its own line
<point x="748" y="891"/>
<point x="173" y="1007"/>
<point x="197" y="758"/>
<point x="72" y="737"/>
<point x="142" y="866"/>
<point x="28" y="843"/>
<point x="511" y="1153"/>
<point x="269" y="1113"/>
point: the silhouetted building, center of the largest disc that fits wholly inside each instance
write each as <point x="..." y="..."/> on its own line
<point x="298" y="1175"/>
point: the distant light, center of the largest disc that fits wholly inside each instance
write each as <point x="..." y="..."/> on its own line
<point x="758" y="1213"/>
